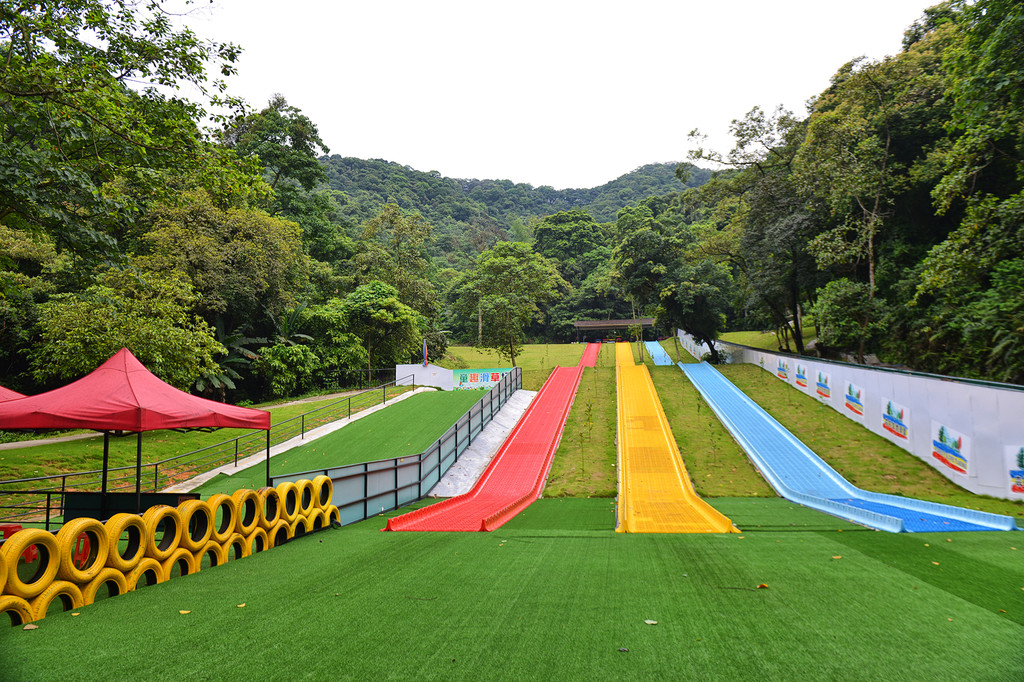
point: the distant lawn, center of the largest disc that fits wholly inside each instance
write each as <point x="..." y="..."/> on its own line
<point x="406" y="428"/>
<point x="556" y="594"/>
<point x="767" y="340"/>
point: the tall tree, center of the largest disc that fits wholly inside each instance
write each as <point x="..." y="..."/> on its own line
<point x="388" y="328"/>
<point x="510" y="282"/>
<point x="93" y="113"/>
<point x="286" y="142"/>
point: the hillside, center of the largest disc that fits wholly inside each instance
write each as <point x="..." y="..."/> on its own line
<point x="471" y="212"/>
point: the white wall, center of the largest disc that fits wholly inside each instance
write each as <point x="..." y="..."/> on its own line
<point x="431" y="375"/>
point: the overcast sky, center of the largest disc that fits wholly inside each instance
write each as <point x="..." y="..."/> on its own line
<point x="557" y="92"/>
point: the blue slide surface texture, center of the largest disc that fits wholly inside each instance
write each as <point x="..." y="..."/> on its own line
<point x="657" y="353"/>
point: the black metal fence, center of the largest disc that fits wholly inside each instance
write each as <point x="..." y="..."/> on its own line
<point x="363" y="490"/>
<point x="39" y="501"/>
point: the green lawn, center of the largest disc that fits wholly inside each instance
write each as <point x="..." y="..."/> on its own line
<point x="556" y="594"/>
<point x="767" y="340"/>
<point x="405" y="428"/>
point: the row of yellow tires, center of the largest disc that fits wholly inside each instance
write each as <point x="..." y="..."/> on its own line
<point x="164" y="541"/>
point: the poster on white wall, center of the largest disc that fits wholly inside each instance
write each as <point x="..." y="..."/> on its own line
<point x="823" y="386"/>
<point x="1015" y="462"/>
<point x="951" y="448"/>
<point x="854" y="401"/>
<point x="896" y="419"/>
<point x="801" y="375"/>
<point x="782" y="370"/>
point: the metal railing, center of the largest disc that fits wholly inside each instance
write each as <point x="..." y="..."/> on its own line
<point x="370" y="488"/>
<point x="40" y="500"/>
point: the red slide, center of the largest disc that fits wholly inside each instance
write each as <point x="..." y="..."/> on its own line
<point x="516" y="475"/>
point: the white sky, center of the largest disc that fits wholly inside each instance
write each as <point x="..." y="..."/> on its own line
<point x="556" y="92"/>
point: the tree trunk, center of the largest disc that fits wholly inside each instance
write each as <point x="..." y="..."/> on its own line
<point x="480" y="323"/>
<point x="511" y="351"/>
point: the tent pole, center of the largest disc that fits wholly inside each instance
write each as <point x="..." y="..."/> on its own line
<point x="103" y="480"/>
<point x="138" y="473"/>
<point x="268" y="458"/>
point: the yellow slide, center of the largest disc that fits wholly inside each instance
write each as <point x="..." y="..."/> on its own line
<point x="655" y="492"/>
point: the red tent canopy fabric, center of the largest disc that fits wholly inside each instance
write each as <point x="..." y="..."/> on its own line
<point x="122" y="395"/>
<point x="7" y="394"/>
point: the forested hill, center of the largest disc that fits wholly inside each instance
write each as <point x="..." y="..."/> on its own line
<point x="444" y="200"/>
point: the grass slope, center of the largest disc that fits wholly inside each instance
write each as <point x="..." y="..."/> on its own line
<point x="405" y="428"/>
<point x="557" y="594"/>
<point x="584" y="464"/>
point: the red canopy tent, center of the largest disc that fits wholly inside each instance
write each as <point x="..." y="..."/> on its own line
<point x="122" y="396"/>
<point x="7" y="394"/>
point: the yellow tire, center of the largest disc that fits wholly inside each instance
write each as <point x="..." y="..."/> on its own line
<point x="225" y="506"/>
<point x="323" y="491"/>
<point x="183" y="560"/>
<point x="289" y="493"/>
<point x="149" y="571"/>
<point x="248" y="505"/>
<point x="299" y="527"/>
<point x="256" y="542"/>
<point x="135" y="542"/>
<point x="3" y="573"/>
<point x="333" y="515"/>
<point x="167" y="519"/>
<point x="67" y="544"/>
<point x="316" y="520"/>
<point x="196" y="524"/>
<point x="215" y="551"/>
<point x="67" y="592"/>
<point x="48" y="562"/>
<point x="307" y="497"/>
<point x="113" y="579"/>
<point x="235" y="547"/>
<point x="16" y="608"/>
<point x="270" y="507"/>
<point x="279" y="534"/>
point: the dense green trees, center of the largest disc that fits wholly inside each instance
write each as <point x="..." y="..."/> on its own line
<point x="240" y="264"/>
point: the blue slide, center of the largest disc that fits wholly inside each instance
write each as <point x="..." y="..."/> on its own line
<point x="657" y="353"/>
<point x="798" y="474"/>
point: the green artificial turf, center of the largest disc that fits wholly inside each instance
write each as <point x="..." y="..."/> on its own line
<point x="556" y="594"/>
<point x="406" y="428"/>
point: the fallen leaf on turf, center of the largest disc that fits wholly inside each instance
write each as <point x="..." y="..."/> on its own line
<point x="31" y="626"/>
<point x="76" y="614"/>
<point x="184" y="612"/>
<point x="948" y="540"/>
<point x="838" y="557"/>
<point x="950" y="620"/>
<point x="927" y="545"/>
<point x="623" y="649"/>
<point x="762" y="586"/>
<point x="1002" y="610"/>
<point x="651" y="622"/>
<point x="242" y="605"/>
<point x="936" y="563"/>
